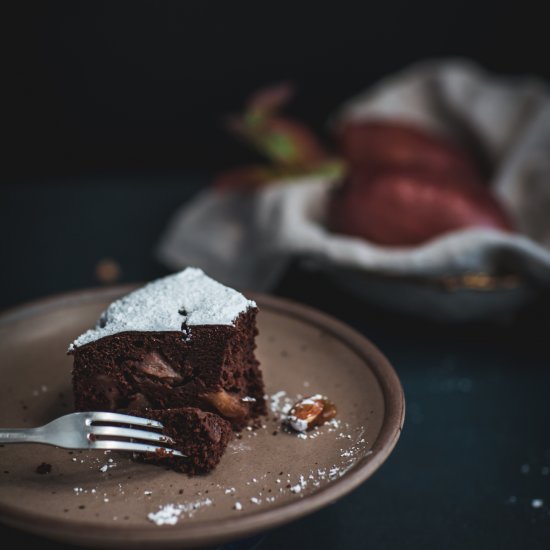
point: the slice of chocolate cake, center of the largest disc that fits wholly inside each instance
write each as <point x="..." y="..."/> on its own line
<point x="181" y="341"/>
<point x="201" y="436"/>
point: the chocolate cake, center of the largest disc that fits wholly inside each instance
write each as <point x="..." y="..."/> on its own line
<point x="178" y="342"/>
<point x="201" y="436"/>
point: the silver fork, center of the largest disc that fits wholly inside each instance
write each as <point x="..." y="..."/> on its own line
<point x="96" y="430"/>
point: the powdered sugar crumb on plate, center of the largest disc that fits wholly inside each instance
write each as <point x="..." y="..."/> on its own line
<point x="169" y="514"/>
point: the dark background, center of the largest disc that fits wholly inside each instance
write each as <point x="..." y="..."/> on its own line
<point x="108" y="101"/>
<point x="113" y="120"/>
<point x="134" y="87"/>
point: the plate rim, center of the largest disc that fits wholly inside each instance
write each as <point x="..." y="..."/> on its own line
<point x="205" y="532"/>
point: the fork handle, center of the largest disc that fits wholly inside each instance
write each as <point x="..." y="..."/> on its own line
<point x="21" y="435"/>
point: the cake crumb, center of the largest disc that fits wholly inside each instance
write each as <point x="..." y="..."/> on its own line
<point x="107" y="271"/>
<point x="44" y="468"/>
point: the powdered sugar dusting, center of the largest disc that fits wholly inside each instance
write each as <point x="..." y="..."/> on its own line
<point x="169" y="514"/>
<point x="170" y="304"/>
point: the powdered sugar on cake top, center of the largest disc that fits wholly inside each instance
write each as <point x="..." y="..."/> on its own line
<point x="184" y="299"/>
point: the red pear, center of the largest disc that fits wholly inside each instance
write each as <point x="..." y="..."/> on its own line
<point x="378" y="143"/>
<point x="406" y="207"/>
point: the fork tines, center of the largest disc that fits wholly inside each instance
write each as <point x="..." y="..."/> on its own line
<point x="121" y="438"/>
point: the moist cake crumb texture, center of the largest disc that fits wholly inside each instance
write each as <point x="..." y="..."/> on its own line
<point x="201" y="436"/>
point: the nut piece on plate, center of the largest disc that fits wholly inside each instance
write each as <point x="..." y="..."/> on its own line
<point x="228" y="405"/>
<point x="310" y="412"/>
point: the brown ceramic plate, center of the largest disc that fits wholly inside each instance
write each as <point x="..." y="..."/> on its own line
<point x="104" y="500"/>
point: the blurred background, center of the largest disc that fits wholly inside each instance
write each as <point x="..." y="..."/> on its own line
<point x="105" y="99"/>
<point x="112" y="119"/>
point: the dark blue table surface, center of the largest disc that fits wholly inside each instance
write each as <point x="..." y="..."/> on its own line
<point x="475" y="450"/>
